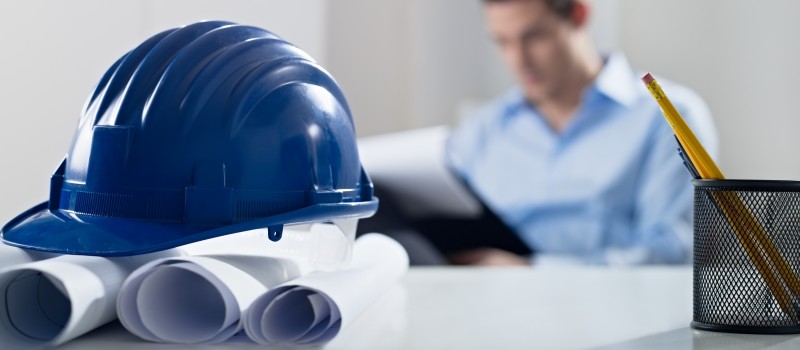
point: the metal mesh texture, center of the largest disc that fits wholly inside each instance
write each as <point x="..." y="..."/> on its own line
<point x="731" y="292"/>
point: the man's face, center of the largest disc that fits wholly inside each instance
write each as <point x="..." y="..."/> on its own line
<point x="535" y="43"/>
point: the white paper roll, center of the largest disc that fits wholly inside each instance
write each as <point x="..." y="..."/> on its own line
<point x="48" y="302"/>
<point x="197" y="299"/>
<point x="313" y="308"/>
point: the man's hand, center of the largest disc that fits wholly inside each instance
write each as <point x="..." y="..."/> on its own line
<point x="487" y="257"/>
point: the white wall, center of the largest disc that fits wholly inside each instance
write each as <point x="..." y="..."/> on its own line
<point x="368" y="44"/>
<point x="53" y="53"/>
<point x="411" y="63"/>
<point x="742" y="57"/>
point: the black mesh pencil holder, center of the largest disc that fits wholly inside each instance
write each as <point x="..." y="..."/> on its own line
<point x="746" y="256"/>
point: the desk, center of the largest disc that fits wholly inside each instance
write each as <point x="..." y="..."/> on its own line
<point x="514" y="308"/>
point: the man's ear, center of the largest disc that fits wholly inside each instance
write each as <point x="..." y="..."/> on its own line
<point x="580" y="14"/>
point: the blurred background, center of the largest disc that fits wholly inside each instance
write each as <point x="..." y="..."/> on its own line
<point x="404" y="64"/>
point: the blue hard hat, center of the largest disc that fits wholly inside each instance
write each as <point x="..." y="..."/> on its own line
<point x="201" y="131"/>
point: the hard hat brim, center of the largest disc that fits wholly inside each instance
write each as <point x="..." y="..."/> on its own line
<point x="59" y="231"/>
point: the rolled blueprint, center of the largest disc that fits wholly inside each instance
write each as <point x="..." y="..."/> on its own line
<point x="196" y="299"/>
<point x="314" y="308"/>
<point x="48" y="302"/>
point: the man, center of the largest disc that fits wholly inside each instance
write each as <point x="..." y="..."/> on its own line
<point x="577" y="159"/>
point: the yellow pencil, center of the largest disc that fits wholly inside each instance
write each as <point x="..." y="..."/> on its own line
<point x="685" y="135"/>
<point x="765" y="256"/>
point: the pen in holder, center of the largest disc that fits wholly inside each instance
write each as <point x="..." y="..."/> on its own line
<point x="746" y="254"/>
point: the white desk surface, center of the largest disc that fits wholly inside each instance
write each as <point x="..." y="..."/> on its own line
<point x="516" y="308"/>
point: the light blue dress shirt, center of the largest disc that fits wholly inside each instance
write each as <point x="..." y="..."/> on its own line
<point x="609" y="189"/>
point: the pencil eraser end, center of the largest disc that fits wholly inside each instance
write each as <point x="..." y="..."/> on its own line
<point x="647" y="78"/>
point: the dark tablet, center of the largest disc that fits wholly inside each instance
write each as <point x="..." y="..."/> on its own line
<point x="445" y="234"/>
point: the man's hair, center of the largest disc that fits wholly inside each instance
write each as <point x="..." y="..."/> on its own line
<point x="562" y="7"/>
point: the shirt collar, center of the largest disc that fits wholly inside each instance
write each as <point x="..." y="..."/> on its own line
<point x="616" y="81"/>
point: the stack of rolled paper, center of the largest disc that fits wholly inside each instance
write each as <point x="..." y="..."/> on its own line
<point x="191" y="295"/>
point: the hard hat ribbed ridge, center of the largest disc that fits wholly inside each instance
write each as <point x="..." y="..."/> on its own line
<point x="108" y="93"/>
<point x="193" y="63"/>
